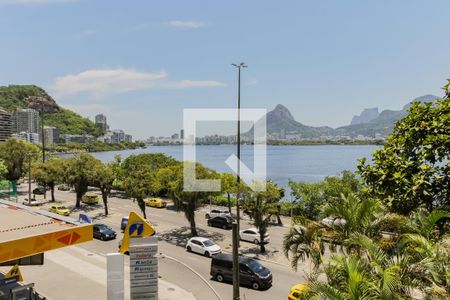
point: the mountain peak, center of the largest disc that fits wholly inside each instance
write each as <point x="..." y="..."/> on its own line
<point x="422" y="99"/>
<point x="366" y="116"/>
<point x="280" y="112"/>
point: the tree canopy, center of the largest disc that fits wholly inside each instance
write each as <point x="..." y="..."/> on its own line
<point x="413" y="168"/>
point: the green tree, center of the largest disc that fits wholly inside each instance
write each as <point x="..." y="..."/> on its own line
<point x="104" y="179"/>
<point x="3" y="170"/>
<point x="229" y="186"/>
<point x="137" y="184"/>
<point x="412" y="169"/>
<point x="187" y="201"/>
<point x="311" y="197"/>
<point x="261" y="206"/>
<point x="49" y="174"/>
<point x="80" y="173"/>
<point x="14" y="153"/>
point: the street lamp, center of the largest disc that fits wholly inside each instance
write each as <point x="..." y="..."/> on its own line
<point x="236" y="226"/>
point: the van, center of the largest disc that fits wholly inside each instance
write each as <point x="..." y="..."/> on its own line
<point x="251" y="272"/>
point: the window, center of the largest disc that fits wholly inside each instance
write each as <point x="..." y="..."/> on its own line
<point x="244" y="269"/>
<point x="208" y="243"/>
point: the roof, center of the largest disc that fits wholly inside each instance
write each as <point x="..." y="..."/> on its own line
<point x="26" y="231"/>
<point x="199" y="238"/>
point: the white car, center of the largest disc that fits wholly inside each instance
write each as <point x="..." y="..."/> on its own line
<point x="203" y="246"/>
<point x="252" y="235"/>
<point x="218" y="212"/>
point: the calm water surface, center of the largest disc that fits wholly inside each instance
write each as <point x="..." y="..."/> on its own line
<point x="298" y="163"/>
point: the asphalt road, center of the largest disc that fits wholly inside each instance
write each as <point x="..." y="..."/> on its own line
<point x="172" y="227"/>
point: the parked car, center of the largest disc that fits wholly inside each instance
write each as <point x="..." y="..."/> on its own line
<point x="103" y="232"/>
<point x="63" y="187"/>
<point x="221" y="222"/>
<point x="59" y="209"/>
<point x="252" y="235"/>
<point x="251" y="272"/>
<point x="156" y="202"/>
<point x="123" y="223"/>
<point x="32" y="202"/>
<point x="203" y="246"/>
<point x="90" y="198"/>
<point x="39" y="191"/>
<point x="297" y="292"/>
<point x="219" y="212"/>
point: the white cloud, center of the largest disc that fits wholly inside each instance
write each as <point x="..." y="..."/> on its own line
<point x="103" y="82"/>
<point x="33" y="1"/>
<point x="186" y="24"/>
<point x="185" y="84"/>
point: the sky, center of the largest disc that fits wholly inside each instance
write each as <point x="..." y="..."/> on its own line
<point x="142" y="62"/>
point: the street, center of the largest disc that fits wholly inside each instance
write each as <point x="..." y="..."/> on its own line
<point x="87" y="274"/>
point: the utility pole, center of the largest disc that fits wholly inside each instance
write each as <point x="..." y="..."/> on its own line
<point x="236" y="225"/>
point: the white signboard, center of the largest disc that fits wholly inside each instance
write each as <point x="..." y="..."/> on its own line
<point x="144" y="268"/>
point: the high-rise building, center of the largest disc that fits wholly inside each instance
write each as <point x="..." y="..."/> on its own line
<point x="128" y="138"/>
<point x="5" y="125"/>
<point x="118" y="136"/>
<point x="51" y="135"/>
<point x="100" y="120"/>
<point x="182" y="134"/>
<point x="25" y="120"/>
<point x="30" y="137"/>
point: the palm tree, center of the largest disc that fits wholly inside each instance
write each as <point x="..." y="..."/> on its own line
<point x="304" y="240"/>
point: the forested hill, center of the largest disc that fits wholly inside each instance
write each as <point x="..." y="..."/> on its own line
<point x="14" y="97"/>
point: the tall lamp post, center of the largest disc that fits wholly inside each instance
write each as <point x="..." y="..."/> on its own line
<point x="236" y="226"/>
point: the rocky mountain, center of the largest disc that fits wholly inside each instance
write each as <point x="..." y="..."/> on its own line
<point x="281" y="124"/>
<point x="383" y="124"/>
<point x="14" y="97"/>
<point x="366" y="116"/>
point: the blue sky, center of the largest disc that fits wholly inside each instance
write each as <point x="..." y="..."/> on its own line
<point x="142" y="62"/>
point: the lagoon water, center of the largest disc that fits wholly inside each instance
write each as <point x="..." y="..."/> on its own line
<point x="298" y="163"/>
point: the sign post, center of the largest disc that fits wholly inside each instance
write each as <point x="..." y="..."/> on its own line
<point x="144" y="268"/>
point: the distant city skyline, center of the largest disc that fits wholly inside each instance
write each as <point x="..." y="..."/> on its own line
<point x="142" y="64"/>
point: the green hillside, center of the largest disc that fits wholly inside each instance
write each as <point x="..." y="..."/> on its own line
<point x="14" y="97"/>
<point x="69" y="122"/>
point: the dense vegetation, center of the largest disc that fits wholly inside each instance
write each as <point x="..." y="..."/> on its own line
<point x="387" y="236"/>
<point x="72" y="123"/>
<point x="18" y="96"/>
<point x="14" y="97"/>
<point x="94" y="146"/>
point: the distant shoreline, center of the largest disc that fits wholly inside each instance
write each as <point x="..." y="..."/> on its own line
<point x="290" y="143"/>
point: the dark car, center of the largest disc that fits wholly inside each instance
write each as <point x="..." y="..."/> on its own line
<point x="103" y="232"/>
<point x="39" y="191"/>
<point x="251" y="272"/>
<point x="221" y="222"/>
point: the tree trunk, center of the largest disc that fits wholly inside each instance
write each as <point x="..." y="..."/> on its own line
<point x="141" y="204"/>
<point x="79" y="196"/>
<point x="261" y="238"/>
<point x="52" y="191"/>
<point x="105" y="200"/>
<point x="190" y="215"/>
<point x="278" y="215"/>
<point x="229" y="202"/>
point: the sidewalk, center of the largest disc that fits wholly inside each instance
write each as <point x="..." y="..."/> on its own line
<point x="75" y="273"/>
